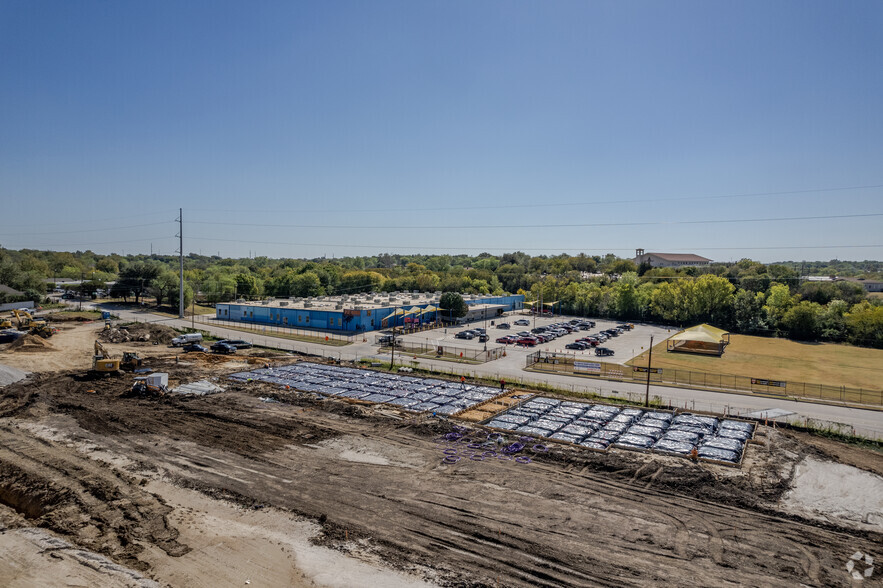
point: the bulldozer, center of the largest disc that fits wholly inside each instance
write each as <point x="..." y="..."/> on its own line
<point x="131" y="361"/>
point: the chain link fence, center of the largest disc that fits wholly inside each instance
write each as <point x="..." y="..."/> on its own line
<point x="559" y="363"/>
<point x="440" y="351"/>
<point x="277" y="330"/>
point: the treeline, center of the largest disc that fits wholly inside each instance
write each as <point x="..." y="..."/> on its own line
<point x="744" y="297"/>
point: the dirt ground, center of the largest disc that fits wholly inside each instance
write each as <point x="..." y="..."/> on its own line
<point x="259" y="486"/>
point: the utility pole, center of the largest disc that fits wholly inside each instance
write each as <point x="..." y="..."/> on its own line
<point x="181" y="256"/>
<point x="649" y="360"/>
<point x="392" y="357"/>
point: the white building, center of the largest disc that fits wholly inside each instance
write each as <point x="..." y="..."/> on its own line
<point x="670" y="259"/>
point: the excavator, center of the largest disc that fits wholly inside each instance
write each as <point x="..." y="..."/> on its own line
<point x="103" y="362"/>
<point x="33" y="326"/>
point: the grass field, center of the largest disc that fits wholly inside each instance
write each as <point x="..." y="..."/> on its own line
<point x="188" y="311"/>
<point x="72" y="315"/>
<point x="781" y="359"/>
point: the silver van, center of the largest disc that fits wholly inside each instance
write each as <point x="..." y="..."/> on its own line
<point x="185" y="339"/>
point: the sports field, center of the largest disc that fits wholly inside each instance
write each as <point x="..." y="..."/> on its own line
<point x="781" y="359"/>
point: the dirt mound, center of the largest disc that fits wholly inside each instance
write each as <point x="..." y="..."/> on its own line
<point x="147" y="332"/>
<point x="31" y="343"/>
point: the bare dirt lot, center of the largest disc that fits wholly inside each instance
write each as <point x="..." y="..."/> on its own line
<point x="268" y="487"/>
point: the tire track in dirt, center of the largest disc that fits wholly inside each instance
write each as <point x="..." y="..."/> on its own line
<point x="84" y="499"/>
<point x="800" y="541"/>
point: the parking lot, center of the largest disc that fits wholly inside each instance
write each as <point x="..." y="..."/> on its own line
<point x="624" y="346"/>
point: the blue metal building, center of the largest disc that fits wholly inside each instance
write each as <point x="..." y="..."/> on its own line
<point x="352" y="320"/>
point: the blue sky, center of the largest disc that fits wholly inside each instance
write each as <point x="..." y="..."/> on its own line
<point x="353" y="128"/>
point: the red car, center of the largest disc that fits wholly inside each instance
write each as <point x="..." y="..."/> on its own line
<point x="506" y="340"/>
<point x="528" y="341"/>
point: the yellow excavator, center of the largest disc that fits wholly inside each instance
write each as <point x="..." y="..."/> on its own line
<point x="33" y="326"/>
<point x="104" y="362"/>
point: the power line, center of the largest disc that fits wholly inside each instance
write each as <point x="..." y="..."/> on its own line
<point x="446" y="247"/>
<point x="138" y="226"/>
<point x="544" y="226"/>
<point x="547" y="204"/>
<point x="154" y="239"/>
<point x="96" y="220"/>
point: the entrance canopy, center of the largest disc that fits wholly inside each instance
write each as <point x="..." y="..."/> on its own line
<point x="700" y="339"/>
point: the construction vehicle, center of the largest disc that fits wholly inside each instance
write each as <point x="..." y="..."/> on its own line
<point x="155" y="384"/>
<point x="103" y="362"/>
<point x="34" y="326"/>
<point x="131" y="361"/>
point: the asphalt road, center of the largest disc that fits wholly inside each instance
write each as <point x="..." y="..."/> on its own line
<point x="867" y="422"/>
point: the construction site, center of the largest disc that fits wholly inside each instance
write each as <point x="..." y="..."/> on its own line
<point x="127" y="462"/>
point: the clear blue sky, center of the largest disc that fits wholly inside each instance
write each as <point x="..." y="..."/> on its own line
<point x="304" y="129"/>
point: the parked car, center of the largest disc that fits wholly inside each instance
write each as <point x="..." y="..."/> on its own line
<point x="195" y="347"/>
<point x="503" y="326"/>
<point x="603" y="351"/>
<point x="389" y="340"/>
<point x="522" y="322"/>
<point x="223" y="347"/>
<point x="506" y="339"/>
<point x="238" y="343"/>
<point x="577" y="345"/>
<point x="528" y="341"/>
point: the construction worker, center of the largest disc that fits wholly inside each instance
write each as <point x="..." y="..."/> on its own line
<point x="463" y="382"/>
<point x="502" y="385"/>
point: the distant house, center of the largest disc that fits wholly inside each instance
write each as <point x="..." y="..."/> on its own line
<point x="868" y="285"/>
<point x="670" y="259"/>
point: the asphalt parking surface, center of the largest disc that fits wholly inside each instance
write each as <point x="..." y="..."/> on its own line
<point x="625" y="346"/>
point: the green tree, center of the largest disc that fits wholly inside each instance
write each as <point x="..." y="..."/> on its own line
<point x="748" y="313"/>
<point x="306" y="284"/>
<point x="832" y="321"/>
<point x="625" y="295"/>
<point x="161" y="287"/>
<point x="108" y="265"/>
<point x="778" y="302"/>
<point x="802" y="320"/>
<point x="136" y="277"/>
<point x="452" y="305"/>
<point x="247" y="285"/>
<point x="712" y="299"/>
<point x="218" y="287"/>
<point x="865" y="323"/>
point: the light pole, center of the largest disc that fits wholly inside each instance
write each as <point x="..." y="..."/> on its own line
<point x="649" y="360"/>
